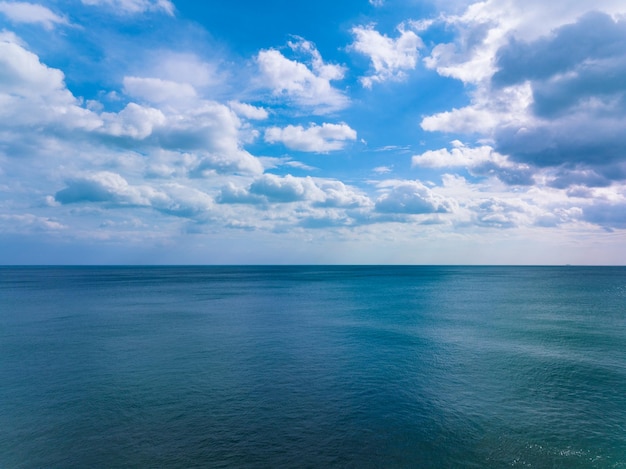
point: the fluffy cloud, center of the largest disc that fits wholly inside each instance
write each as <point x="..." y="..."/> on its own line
<point x="210" y="131"/>
<point x="248" y="111"/>
<point x="157" y="90"/>
<point x="411" y="197"/>
<point x="321" y="139"/>
<point x="304" y="85"/>
<point x="135" y="6"/>
<point x="104" y="187"/>
<point x="32" y="94"/>
<point x="480" y="161"/>
<point x="134" y="121"/>
<point x="35" y="102"/>
<point x="579" y="99"/>
<point x="390" y="58"/>
<point x="546" y="88"/>
<point x="23" y="12"/>
<point x="499" y="213"/>
<point x="113" y="190"/>
<point x="270" y="188"/>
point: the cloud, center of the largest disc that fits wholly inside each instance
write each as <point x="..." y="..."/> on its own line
<point x="390" y="58"/>
<point x="134" y="6"/>
<point x="103" y="187"/>
<point x="411" y="197"/>
<point x="19" y="223"/>
<point x="579" y="101"/>
<point x="24" y="12"/>
<point x="606" y="214"/>
<point x="182" y="67"/>
<point x="270" y="188"/>
<point x="37" y="111"/>
<point x="301" y="84"/>
<point x="499" y="213"/>
<point x="546" y="90"/>
<point x="134" y="121"/>
<point x="248" y="111"/>
<point x="113" y="190"/>
<point x="156" y="90"/>
<point x="479" y="161"/>
<point x="208" y="130"/>
<point x="32" y="94"/>
<point x="321" y="139"/>
<point x="382" y="169"/>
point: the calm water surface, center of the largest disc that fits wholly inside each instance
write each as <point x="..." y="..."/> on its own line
<point x="360" y="367"/>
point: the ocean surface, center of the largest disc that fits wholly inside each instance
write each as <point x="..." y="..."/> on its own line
<point x="360" y="367"/>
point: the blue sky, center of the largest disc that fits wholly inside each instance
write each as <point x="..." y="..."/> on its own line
<point x="380" y="131"/>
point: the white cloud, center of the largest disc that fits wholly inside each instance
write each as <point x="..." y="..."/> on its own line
<point x="248" y="111"/>
<point x="377" y="3"/>
<point x="545" y="91"/>
<point x="411" y="198"/>
<point x="133" y="121"/>
<point x="382" y="169"/>
<point x="38" y="112"/>
<point x="135" y="6"/>
<point x="490" y="110"/>
<point x="307" y="86"/>
<point x="24" y="12"/>
<point x="156" y="90"/>
<point x="182" y="67"/>
<point x="33" y="94"/>
<point x="270" y="188"/>
<point x="316" y="138"/>
<point x="390" y="58"/>
<point x="19" y="223"/>
<point x="112" y="190"/>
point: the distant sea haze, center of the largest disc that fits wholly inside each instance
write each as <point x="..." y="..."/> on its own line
<point x="430" y="367"/>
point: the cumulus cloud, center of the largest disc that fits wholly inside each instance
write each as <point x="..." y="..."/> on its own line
<point x="35" y="102"/>
<point x="546" y="92"/>
<point x="208" y="130"/>
<point x="113" y="190"/>
<point x="33" y="94"/>
<point x="498" y="213"/>
<point x="134" y="6"/>
<point x="390" y="58"/>
<point x="134" y="121"/>
<point x="248" y="111"/>
<point x="479" y="161"/>
<point x="270" y="188"/>
<point x="579" y="101"/>
<point x="24" y="12"/>
<point x="315" y="138"/>
<point x="306" y="85"/>
<point x="411" y="197"/>
<point x="103" y="187"/>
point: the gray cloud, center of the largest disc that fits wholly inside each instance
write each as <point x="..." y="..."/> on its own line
<point x="579" y="95"/>
<point x="594" y="36"/>
<point x="608" y="215"/>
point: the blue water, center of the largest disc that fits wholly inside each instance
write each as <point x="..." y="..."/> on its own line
<point x="484" y="367"/>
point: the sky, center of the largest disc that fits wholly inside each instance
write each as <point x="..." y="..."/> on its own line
<point x="299" y="132"/>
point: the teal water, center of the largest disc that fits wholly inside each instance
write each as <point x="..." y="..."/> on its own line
<point x="432" y="367"/>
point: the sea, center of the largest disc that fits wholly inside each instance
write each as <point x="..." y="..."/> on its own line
<point x="313" y="366"/>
